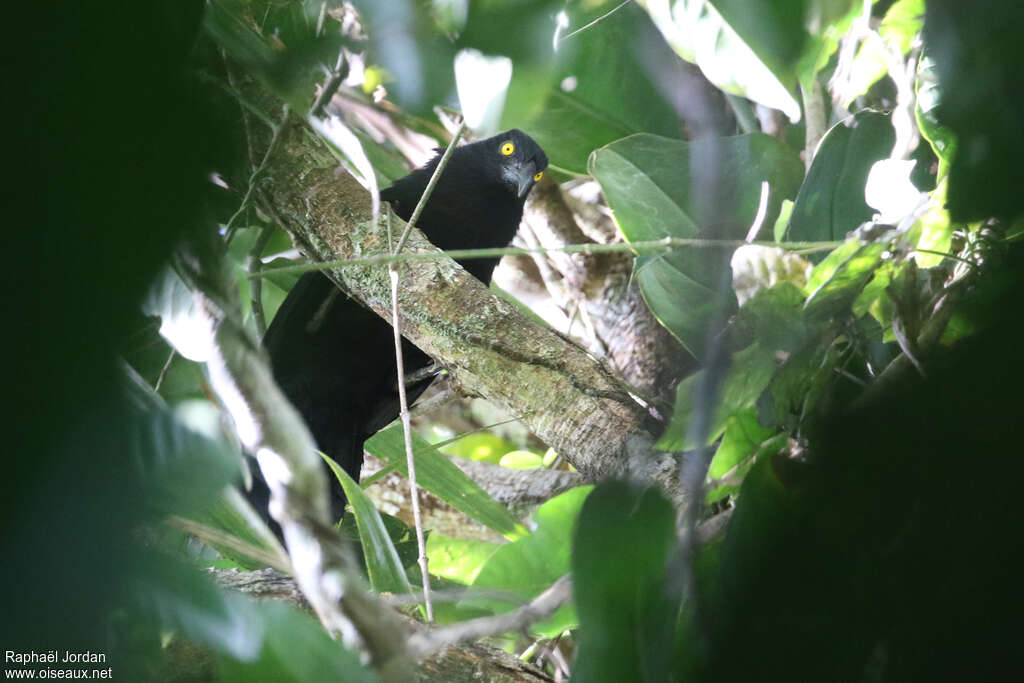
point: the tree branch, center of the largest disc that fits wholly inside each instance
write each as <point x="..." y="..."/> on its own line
<point x="272" y="429"/>
<point x="541" y="607"/>
<point x="567" y="398"/>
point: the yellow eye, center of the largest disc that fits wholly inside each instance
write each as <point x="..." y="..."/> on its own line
<point x="507" y="148"/>
<point x="536" y="178"/>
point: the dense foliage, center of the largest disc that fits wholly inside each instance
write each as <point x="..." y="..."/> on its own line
<point x="823" y="204"/>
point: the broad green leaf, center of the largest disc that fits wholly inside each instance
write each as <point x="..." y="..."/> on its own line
<point x="791" y="36"/>
<point x="739" y="451"/>
<point x="522" y="460"/>
<point x="286" y="46"/>
<point x="796" y="386"/>
<point x="387" y="575"/>
<point x="233" y="515"/>
<point x="874" y="300"/>
<point x="482" y="446"/>
<point x="901" y="23"/>
<point x="929" y="97"/>
<point x="774" y="318"/>
<point x="528" y="566"/>
<point x="628" y="605"/>
<point x="759" y="50"/>
<point x="170" y="448"/>
<point x="435" y="473"/>
<point x="933" y="230"/>
<point x="659" y="187"/>
<point x="582" y="95"/>
<point x="743" y="436"/>
<point x="182" y="599"/>
<point x="831" y="200"/>
<point x="837" y="282"/>
<point x="749" y="373"/>
<point x="457" y="559"/>
<point x="698" y="34"/>
<point x="296" y="649"/>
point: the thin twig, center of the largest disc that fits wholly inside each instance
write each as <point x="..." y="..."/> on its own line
<point x="229" y="228"/>
<point x="403" y="401"/>
<point x="814" y="115"/>
<point x="164" y="369"/>
<point x="560" y="39"/>
<point x="649" y="246"/>
<point x="541" y="607"/>
<point x="330" y="87"/>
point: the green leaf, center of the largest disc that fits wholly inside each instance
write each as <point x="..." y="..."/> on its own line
<point x="775" y="318"/>
<point x="528" y="566"/>
<point x="926" y="104"/>
<point x="874" y="300"/>
<point x="435" y="473"/>
<point x="759" y="50"/>
<point x="698" y="34"/>
<point x="182" y="599"/>
<point x="482" y="446"/>
<point x="627" y="604"/>
<point x="744" y="442"/>
<point x="296" y="649"/>
<point x="458" y="559"/>
<point x="901" y="23"/>
<point x="387" y="575"/>
<point x="582" y="95"/>
<point x="657" y="188"/>
<point x="838" y="280"/>
<point x="933" y="230"/>
<point x="796" y="387"/>
<point x="743" y="436"/>
<point x="232" y="514"/>
<point x="748" y="375"/>
<point x="285" y="47"/>
<point x="831" y="200"/>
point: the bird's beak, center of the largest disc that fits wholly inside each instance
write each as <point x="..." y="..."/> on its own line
<point x="521" y="176"/>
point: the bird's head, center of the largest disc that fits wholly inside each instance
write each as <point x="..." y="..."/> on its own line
<point x="521" y="160"/>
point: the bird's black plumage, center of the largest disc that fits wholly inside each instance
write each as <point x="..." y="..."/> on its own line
<point x="334" y="358"/>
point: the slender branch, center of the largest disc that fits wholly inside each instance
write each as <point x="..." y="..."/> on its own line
<point x="649" y="246"/>
<point x="410" y="458"/>
<point x="814" y="119"/>
<point x="164" y="369"/>
<point x="403" y="401"/>
<point x="541" y="607"/>
<point x="270" y="427"/>
<point x="559" y="39"/>
<point x="229" y="228"/>
<point x="330" y="87"/>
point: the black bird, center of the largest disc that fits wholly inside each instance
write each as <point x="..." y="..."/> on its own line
<point x="334" y="358"/>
